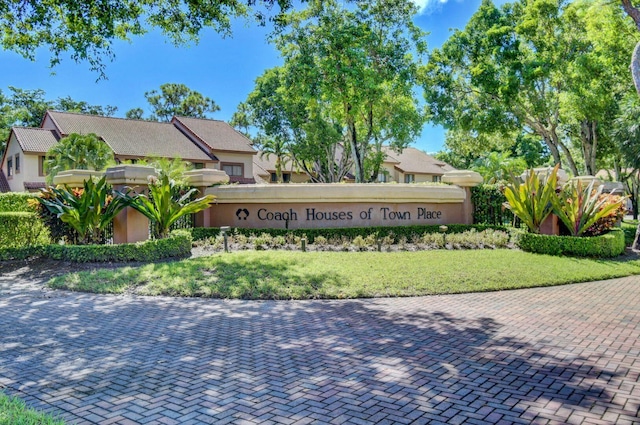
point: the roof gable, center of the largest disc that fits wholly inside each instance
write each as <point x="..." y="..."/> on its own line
<point x="132" y="138"/>
<point x="217" y="135"/>
<point x="414" y="161"/>
<point x="35" y="140"/>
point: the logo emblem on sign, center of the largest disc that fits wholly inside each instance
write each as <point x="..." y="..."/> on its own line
<point x="242" y="214"/>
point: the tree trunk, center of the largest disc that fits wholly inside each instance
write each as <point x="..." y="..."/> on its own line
<point x="589" y="141"/>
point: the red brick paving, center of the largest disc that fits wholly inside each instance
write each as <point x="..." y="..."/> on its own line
<point x="562" y="355"/>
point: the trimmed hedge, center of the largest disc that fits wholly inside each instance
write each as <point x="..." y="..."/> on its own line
<point x="608" y="245"/>
<point x="176" y="246"/>
<point x="199" y="233"/>
<point x="21" y="229"/>
<point x="16" y="201"/>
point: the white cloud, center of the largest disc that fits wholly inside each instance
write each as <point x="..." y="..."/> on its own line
<point x="428" y="5"/>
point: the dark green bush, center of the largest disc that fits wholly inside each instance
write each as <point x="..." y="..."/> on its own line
<point x="487" y="202"/>
<point x="20" y="229"/>
<point x="199" y="233"/>
<point x="16" y="202"/>
<point x="629" y="230"/>
<point x="608" y="245"/>
<point x="175" y="246"/>
<point x="23" y="253"/>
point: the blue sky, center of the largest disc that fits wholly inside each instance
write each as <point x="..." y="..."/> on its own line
<point x="222" y="69"/>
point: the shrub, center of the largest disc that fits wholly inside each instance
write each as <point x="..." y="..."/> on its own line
<point x="17" y="202"/>
<point x="389" y="235"/>
<point x="177" y="245"/>
<point x="580" y="207"/>
<point x="613" y="219"/>
<point x="89" y="211"/>
<point x="21" y="229"/>
<point x="608" y="245"/>
<point x="531" y="200"/>
<point x="167" y="202"/>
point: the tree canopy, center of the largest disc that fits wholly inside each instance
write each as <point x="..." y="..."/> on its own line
<point x="87" y="30"/>
<point x="175" y="99"/>
<point x="346" y="86"/>
<point x="547" y="68"/>
<point x="26" y="108"/>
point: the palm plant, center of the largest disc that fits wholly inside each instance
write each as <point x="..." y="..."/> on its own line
<point x="580" y="206"/>
<point x="76" y="151"/>
<point x="278" y="148"/>
<point x="532" y="200"/>
<point x="88" y="210"/>
<point x="166" y="203"/>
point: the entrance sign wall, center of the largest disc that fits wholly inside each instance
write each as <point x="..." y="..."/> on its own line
<point x="308" y="206"/>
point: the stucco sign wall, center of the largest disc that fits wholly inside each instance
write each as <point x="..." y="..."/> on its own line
<point x="307" y="206"/>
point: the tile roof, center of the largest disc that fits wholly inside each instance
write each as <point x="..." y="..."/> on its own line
<point x="38" y="140"/>
<point x="34" y="185"/>
<point x="218" y="135"/>
<point x="412" y="160"/>
<point x="135" y="138"/>
<point x="4" y="184"/>
<point x="267" y="165"/>
<point x="242" y="180"/>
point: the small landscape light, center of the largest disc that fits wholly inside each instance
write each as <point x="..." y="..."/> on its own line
<point x="224" y="230"/>
<point x="443" y="230"/>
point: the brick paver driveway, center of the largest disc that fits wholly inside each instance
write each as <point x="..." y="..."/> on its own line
<point x="557" y="355"/>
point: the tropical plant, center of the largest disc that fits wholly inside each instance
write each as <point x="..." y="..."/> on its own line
<point x="77" y="151"/>
<point x="88" y="210"/>
<point x="279" y="149"/>
<point x="532" y="200"/>
<point x="166" y="203"/>
<point x="580" y="206"/>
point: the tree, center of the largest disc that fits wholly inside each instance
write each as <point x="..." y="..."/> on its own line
<point x="277" y="148"/>
<point x="26" y="108"/>
<point x="69" y="105"/>
<point x="175" y="100"/>
<point x="597" y="79"/>
<point x="241" y="119"/>
<point x="534" y="66"/>
<point x="348" y="77"/>
<point x="87" y="30"/>
<point x="634" y="13"/>
<point x="498" y="166"/>
<point x="76" y="151"/>
<point x="284" y="117"/>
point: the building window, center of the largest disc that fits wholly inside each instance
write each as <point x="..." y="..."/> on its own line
<point x="17" y="163"/>
<point x="198" y="165"/>
<point x="9" y="167"/>
<point x="436" y="179"/>
<point x="409" y="178"/>
<point x="286" y="177"/>
<point x="382" y="178"/>
<point x="233" y="169"/>
<point x="41" y="160"/>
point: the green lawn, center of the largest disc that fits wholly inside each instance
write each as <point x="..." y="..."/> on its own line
<point x="300" y="275"/>
<point x="13" y="411"/>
